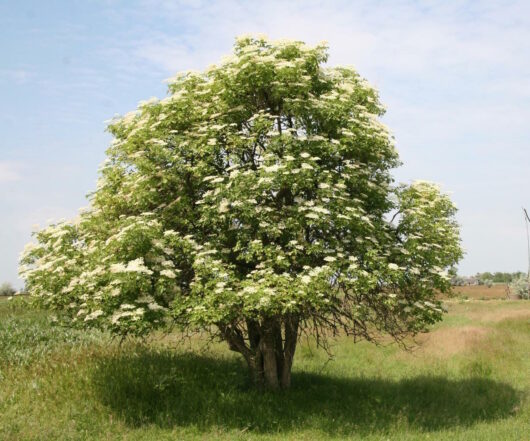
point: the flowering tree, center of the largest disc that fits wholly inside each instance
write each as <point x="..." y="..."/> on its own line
<point x="256" y="202"/>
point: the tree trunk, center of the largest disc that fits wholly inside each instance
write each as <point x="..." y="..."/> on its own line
<point x="268" y="349"/>
<point x="291" y="338"/>
<point x="270" y="366"/>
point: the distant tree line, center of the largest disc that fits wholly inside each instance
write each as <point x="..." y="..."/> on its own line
<point x="498" y="277"/>
<point x="486" y="278"/>
<point x="6" y="289"/>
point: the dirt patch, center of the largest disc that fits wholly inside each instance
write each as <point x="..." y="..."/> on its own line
<point x="450" y="341"/>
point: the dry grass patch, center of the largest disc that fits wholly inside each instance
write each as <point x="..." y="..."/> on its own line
<point x="481" y="291"/>
<point x="450" y="341"/>
<point x="488" y="311"/>
<point x="498" y="315"/>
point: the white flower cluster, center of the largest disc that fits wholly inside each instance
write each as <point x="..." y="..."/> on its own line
<point x="127" y="311"/>
<point x="133" y="266"/>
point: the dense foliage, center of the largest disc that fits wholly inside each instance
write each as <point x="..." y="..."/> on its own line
<point x="255" y="201"/>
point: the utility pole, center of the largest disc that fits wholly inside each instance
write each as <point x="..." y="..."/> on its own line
<point x="527" y="221"/>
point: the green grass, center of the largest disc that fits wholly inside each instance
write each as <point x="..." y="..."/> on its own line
<point x="26" y="334"/>
<point x="59" y="384"/>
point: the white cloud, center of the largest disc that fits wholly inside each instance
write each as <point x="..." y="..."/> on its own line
<point x="171" y="56"/>
<point x="398" y="36"/>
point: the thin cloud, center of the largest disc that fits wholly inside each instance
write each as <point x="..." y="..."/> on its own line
<point x="455" y="76"/>
<point x="17" y="76"/>
<point x="10" y="171"/>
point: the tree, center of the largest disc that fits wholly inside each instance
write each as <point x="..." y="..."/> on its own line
<point x="254" y="202"/>
<point x="6" y="289"/>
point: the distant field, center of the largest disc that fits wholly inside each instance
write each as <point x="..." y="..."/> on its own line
<point x="467" y="380"/>
<point x="482" y="291"/>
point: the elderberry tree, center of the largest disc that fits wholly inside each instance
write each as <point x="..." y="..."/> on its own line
<point x="255" y="202"/>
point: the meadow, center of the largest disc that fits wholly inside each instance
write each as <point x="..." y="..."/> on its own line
<point x="466" y="380"/>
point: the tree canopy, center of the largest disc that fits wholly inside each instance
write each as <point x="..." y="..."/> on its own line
<point x="256" y="202"/>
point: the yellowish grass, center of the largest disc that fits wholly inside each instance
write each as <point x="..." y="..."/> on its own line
<point x="481" y="291"/>
<point x="450" y="341"/>
<point x="496" y="316"/>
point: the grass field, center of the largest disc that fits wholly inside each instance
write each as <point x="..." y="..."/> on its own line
<point x="468" y="380"/>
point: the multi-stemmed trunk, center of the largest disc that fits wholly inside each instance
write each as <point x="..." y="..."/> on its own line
<point x="268" y="349"/>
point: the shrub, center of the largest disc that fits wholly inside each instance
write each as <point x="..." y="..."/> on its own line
<point x="521" y="287"/>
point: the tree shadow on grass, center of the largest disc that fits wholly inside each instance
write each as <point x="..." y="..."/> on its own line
<point x="169" y="390"/>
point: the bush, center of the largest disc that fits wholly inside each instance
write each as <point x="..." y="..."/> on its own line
<point x="6" y="289"/>
<point x="521" y="287"/>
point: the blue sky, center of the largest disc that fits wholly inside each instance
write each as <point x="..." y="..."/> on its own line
<point x="455" y="77"/>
